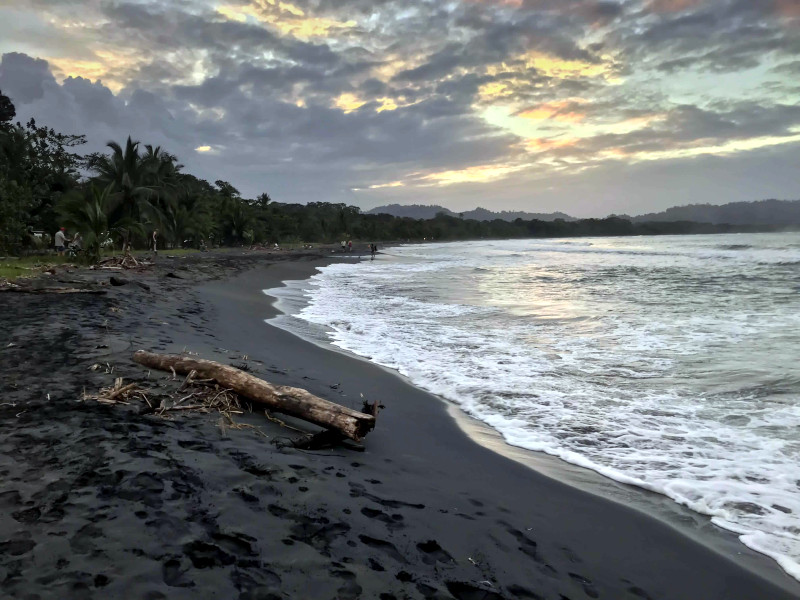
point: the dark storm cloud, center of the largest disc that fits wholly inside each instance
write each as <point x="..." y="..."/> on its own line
<point x="24" y="78"/>
<point x="720" y="35"/>
<point x="383" y="91"/>
<point x="261" y="135"/>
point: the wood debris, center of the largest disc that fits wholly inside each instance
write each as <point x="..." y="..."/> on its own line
<point x="292" y="401"/>
<point x="198" y="395"/>
<point x="119" y="393"/>
<point x="126" y="261"/>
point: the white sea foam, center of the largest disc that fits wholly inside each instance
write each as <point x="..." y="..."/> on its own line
<point x="667" y="363"/>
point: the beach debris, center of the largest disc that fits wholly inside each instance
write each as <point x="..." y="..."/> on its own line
<point x="118" y="281"/>
<point x="119" y="393"/>
<point x="50" y="290"/>
<point x="292" y="401"/>
<point x="203" y="396"/>
<point x="126" y="261"/>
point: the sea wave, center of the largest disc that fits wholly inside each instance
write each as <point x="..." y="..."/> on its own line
<point x="667" y="369"/>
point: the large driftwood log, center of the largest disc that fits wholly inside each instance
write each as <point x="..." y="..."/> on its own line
<point x="288" y="400"/>
<point x="51" y="290"/>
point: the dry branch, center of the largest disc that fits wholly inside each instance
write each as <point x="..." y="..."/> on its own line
<point x="119" y="393"/>
<point x="288" y="400"/>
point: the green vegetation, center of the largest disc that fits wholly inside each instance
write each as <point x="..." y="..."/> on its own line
<point x="132" y="190"/>
<point x="28" y="266"/>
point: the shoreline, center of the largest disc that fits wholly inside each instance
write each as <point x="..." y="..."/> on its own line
<point x="695" y="525"/>
<point x="105" y="502"/>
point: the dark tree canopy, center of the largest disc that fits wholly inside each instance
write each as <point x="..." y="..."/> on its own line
<point x="7" y="110"/>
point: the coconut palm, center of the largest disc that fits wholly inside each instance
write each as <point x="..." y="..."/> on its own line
<point x="162" y="172"/>
<point x="186" y="217"/>
<point x="130" y="197"/>
<point x="237" y="221"/>
<point x="88" y="213"/>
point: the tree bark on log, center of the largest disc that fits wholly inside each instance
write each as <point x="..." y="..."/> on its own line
<point x="292" y="401"/>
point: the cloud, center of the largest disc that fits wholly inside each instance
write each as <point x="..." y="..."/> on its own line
<point x="24" y="78"/>
<point x="567" y="111"/>
<point x="669" y="6"/>
<point x="313" y="99"/>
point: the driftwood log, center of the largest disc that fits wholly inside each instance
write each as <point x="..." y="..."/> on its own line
<point x="51" y="290"/>
<point x="292" y="401"/>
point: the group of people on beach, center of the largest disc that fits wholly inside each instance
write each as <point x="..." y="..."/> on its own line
<point x="347" y="246"/>
<point x="62" y="243"/>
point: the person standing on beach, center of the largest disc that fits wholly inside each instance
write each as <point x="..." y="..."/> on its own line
<point x="155" y="241"/>
<point x="60" y="241"/>
<point x="349" y="245"/>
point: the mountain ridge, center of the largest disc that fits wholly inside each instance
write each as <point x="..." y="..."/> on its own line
<point x="429" y="211"/>
<point x="755" y="212"/>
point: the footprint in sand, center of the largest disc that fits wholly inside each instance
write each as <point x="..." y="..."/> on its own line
<point x="467" y="591"/>
<point x="173" y="575"/>
<point x="393" y="523"/>
<point x="383" y="546"/>
<point x="432" y="553"/>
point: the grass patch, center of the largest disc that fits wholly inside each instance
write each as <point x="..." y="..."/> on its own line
<point x="11" y="272"/>
<point x="29" y="266"/>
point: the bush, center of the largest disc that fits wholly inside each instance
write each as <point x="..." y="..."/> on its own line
<point x="15" y="205"/>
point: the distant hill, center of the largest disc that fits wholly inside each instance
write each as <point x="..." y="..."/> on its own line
<point x="424" y="211"/>
<point x="761" y="212"/>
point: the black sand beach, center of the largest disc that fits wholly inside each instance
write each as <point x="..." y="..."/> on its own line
<point x="102" y="502"/>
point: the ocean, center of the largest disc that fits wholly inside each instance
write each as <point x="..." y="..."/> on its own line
<point x="670" y="363"/>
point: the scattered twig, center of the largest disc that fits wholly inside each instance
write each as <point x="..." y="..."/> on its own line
<point x="277" y="421"/>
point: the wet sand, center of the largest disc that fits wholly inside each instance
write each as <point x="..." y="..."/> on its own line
<point x="103" y="502"/>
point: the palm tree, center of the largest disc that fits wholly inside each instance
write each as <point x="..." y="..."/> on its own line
<point x="88" y="213"/>
<point x="186" y="217"/>
<point x="162" y="171"/>
<point x="237" y="221"/>
<point x="126" y="174"/>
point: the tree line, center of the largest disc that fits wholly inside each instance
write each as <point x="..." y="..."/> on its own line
<point x="119" y="196"/>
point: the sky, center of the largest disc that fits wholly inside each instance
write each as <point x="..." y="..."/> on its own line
<point x="589" y="107"/>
